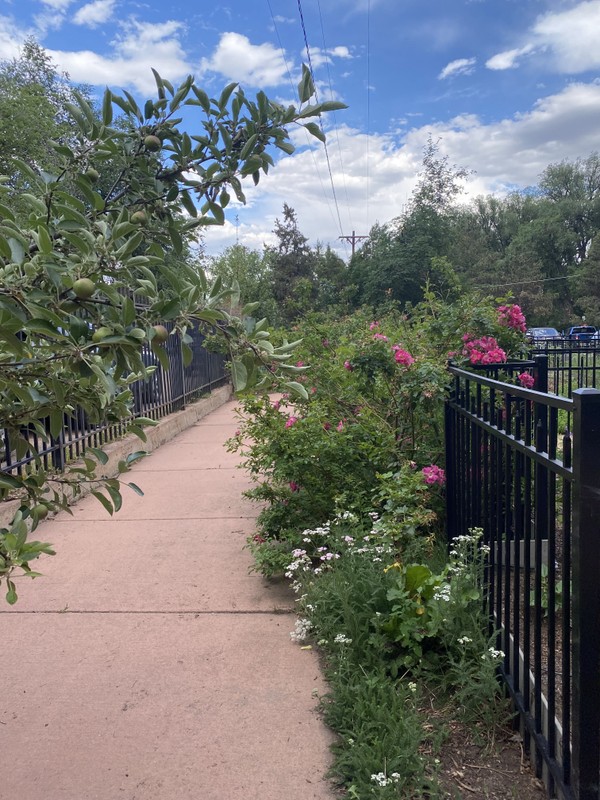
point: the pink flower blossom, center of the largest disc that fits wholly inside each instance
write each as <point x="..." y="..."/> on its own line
<point x="348" y="366"/>
<point x="291" y="421"/>
<point x="434" y="474"/>
<point x="313" y="389"/>
<point x="402" y="356"/>
<point x="327" y="426"/>
<point x="380" y="337"/>
<point x="373" y="325"/>
<point x="294" y="486"/>
<point x="340" y="425"/>
<point x="277" y="405"/>
<point x="526" y="380"/>
<point x="512" y="317"/>
<point x="299" y="363"/>
<point x="483" y="351"/>
<point x="325" y="342"/>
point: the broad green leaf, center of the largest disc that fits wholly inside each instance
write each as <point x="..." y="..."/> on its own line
<point x="104" y="501"/>
<point x="107" y="109"/>
<point x="315" y="130"/>
<point x="239" y="375"/>
<point x="298" y="389"/>
<point x="306" y="87"/>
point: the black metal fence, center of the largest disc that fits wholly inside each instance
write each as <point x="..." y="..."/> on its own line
<point x="571" y="364"/>
<point x="164" y="392"/>
<point x="524" y="466"/>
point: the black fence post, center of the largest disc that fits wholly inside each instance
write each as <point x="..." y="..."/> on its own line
<point x="586" y="595"/>
<point x="541" y="373"/>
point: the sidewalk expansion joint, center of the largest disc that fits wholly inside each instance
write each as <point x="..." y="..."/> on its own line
<point x="195" y="613"/>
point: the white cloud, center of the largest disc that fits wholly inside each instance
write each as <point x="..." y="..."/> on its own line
<point x="11" y="38"/>
<point x="572" y="36"/>
<point x="95" y="13"/>
<point x="509" y="59"/>
<point x="319" y="56"/>
<point x="253" y="65"/>
<point x="461" y="66"/>
<point x="142" y="45"/>
<point x="569" y="40"/>
<point x="504" y="154"/>
<point x="57" y="5"/>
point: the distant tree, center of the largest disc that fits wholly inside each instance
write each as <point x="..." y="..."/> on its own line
<point x="574" y="188"/>
<point x="33" y="111"/>
<point x="293" y="267"/>
<point x="439" y="182"/>
<point x="252" y="271"/>
<point x="331" y="274"/>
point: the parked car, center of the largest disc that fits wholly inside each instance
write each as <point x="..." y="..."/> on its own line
<point x="581" y="333"/>
<point x="539" y="334"/>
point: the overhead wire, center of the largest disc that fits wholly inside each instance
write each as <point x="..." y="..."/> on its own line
<point x="368" y="187"/>
<point x="335" y="127"/>
<point x="326" y="149"/>
<point x="291" y="80"/>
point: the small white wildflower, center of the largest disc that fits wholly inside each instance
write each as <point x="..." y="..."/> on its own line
<point x="348" y="539"/>
<point x="341" y="638"/>
<point x="395" y="776"/>
<point x="492" y="654"/>
<point x="350" y="742"/>
<point x="464" y="640"/>
<point x="380" y="779"/>
<point x="413" y="688"/>
<point x="374" y="515"/>
<point x="301" y="630"/>
<point x="321" y="642"/>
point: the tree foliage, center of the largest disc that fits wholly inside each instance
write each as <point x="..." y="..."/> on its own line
<point x="77" y="252"/>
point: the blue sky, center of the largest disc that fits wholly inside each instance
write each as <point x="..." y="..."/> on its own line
<point x="507" y="86"/>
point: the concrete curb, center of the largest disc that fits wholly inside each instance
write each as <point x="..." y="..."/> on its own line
<point x="167" y="429"/>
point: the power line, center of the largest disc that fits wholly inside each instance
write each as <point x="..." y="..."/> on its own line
<point x="289" y="74"/>
<point x="520" y="283"/>
<point x="368" y="105"/>
<point x="337" y="208"/>
<point x="335" y="127"/>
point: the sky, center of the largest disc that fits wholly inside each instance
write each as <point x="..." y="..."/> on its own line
<point x="505" y="87"/>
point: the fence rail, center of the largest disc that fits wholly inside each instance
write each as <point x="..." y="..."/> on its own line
<point x="524" y="466"/>
<point x="164" y="392"/>
<point x="571" y="364"/>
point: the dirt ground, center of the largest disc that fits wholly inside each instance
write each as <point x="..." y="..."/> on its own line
<point x="497" y="770"/>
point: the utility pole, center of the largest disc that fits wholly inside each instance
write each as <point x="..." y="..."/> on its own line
<point x="353" y="239"/>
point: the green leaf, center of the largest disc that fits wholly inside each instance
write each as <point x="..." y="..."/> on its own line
<point x="99" y="454"/>
<point x="115" y="496"/>
<point x="17" y="251"/>
<point x="225" y="95"/>
<point x="203" y="98"/>
<point x="315" y="130"/>
<point x="107" y="109"/>
<point x="135" y="488"/>
<point x="104" y="501"/>
<point x="11" y="595"/>
<point x="306" y="87"/>
<point x="239" y="375"/>
<point x="297" y="389"/>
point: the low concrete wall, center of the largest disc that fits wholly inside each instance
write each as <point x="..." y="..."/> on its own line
<point x="167" y="429"/>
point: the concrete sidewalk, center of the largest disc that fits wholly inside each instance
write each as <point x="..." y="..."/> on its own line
<point x="147" y="663"/>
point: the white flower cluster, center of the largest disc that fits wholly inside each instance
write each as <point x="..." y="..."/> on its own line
<point x="493" y="654"/>
<point x="381" y="779"/>
<point x="464" y="640"/>
<point x="301" y="630"/>
<point x="442" y="593"/>
<point x="341" y="638"/>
